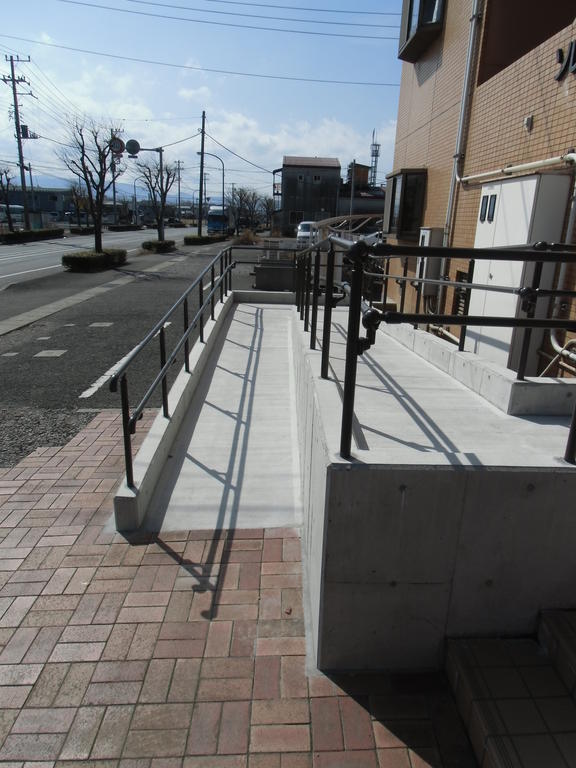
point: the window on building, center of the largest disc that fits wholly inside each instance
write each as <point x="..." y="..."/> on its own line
<point x="300" y="177"/>
<point x="483" y="207"/>
<point x="316" y="179"/>
<point x="405" y="193"/>
<point x="296" y="217"/>
<point x="421" y="23"/>
<point x="491" y="207"/>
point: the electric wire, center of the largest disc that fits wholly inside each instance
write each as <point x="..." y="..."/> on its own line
<point x="372" y="25"/>
<point x="138" y="60"/>
<point x="236" y="154"/>
<point x="300" y="8"/>
<point x="223" y="23"/>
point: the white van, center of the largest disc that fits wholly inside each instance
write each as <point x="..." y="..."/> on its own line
<point x="306" y="234"/>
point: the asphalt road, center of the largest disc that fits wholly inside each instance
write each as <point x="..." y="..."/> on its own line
<point x="26" y="261"/>
<point x="61" y="336"/>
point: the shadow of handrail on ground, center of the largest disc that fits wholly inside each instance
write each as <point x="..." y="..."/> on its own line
<point x="231" y="479"/>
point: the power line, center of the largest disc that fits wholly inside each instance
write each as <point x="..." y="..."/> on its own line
<point x="223" y="23"/>
<point x="300" y="8"/>
<point x="262" y="16"/>
<point x="138" y="60"/>
<point x="237" y="155"/>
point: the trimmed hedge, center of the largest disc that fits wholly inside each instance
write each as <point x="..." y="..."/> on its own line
<point x="204" y="239"/>
<point x="91" y="261"/>
<point x="124" y="227"/>
<point x="159" y="246"/>
<point x="81" y="230"/>
<point x="28" y="235"/>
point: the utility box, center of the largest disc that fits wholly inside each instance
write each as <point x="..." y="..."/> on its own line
<point x="514" y="212"/>
<point x="430" y="237"/>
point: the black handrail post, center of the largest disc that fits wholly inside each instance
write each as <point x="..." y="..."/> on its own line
<point x="212" y="282"/>
<point x="308" y="280"/>
<point x="469" y="279"/>
<point x="570" y="453"/>
<point x="200" y="303"/>
<point x="351" y="355"/>
<point x="297" y="270"/>
<point x="302" y="280"/>
<point x="187" y="342"/>
<point x="315" y="295"/>
<point x="403" y="286"/>
<point x="328" y="303"/>
<point x="221" y="279"/>
<point x="419" y="288"/>
<point x="126" y="430"/>
<point x="162" y="364"/>
<point x="531" y="311"/>
<point x="385" y="288"/>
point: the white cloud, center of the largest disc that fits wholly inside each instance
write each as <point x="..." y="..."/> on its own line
<point x="200" y="95"/>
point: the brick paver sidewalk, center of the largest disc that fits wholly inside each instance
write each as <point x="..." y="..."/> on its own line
<point x="185" y="650"/>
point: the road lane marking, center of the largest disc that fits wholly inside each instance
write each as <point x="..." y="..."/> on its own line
<point x="27" y="271"/>
<point x="104" y="378"/>
<point x="99" y="383"/>
<point x="51" y="353"/>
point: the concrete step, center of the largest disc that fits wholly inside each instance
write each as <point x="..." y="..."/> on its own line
<point x="517" y="707"/>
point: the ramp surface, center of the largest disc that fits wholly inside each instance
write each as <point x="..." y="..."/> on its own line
<point x="235" y="462"/>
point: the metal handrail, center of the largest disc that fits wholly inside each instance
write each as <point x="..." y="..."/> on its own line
<point x="221" y="284"/>
<point x="161" y="323"/>
<point x="359" y="254"/>
<point x="218" y="285"/>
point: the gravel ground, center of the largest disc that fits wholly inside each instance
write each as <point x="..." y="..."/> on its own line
<point x="26" y="429"/>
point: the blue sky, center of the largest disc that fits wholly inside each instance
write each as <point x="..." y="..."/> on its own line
<point x="261" y="119"/>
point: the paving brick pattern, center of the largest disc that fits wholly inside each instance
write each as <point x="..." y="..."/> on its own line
<point x="182" y="650"/>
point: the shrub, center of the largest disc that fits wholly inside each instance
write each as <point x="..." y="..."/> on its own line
<point x="92" y="261"/>
<point x="81" y="230"/>
<point x="124" y="227"/>
<point x="28" y="235"/>
<point x="159" y="246"/>
<point x="204" y="239"/>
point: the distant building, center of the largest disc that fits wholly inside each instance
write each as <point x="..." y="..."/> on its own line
<point x="309" y="190"/>
<point x="54" y="201"/>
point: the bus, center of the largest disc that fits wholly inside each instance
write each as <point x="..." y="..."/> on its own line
<point x="16" y="212"/>
<point x="217" y="220"/>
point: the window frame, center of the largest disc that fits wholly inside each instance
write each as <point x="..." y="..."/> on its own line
<point x="416" y="38"/>
<point x="397" y="212"/>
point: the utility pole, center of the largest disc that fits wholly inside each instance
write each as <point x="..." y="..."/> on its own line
<point x="201" y="201"/>
<point x="178" y="166"/>
<point x="15" y="81"/>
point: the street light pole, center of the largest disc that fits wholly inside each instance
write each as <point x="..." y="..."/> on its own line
<point x="133" y="147"/>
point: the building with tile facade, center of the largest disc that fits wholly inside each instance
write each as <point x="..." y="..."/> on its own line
<point x="484" y="153"/>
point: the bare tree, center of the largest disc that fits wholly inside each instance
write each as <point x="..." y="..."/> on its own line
<point x="5" y="181"/>
<point x="159" y="179"/>
<point x="243" y="205"/>
<point x="80" y="200"/>
<point x="90" y="158"/>
<point x="252" y="202"/>
<point x="268" y="208"/>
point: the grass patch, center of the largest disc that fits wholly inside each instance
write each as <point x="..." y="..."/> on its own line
<point x="92" y="261"/>
<point x="246" y="238"/>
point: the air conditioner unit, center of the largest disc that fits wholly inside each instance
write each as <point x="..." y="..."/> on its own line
<point x="429" y="237"/>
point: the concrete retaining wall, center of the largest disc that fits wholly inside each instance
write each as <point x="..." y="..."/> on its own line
<point x="397" y="558"/>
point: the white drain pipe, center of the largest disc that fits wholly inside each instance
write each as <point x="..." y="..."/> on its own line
<point x="568" y="159"/>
